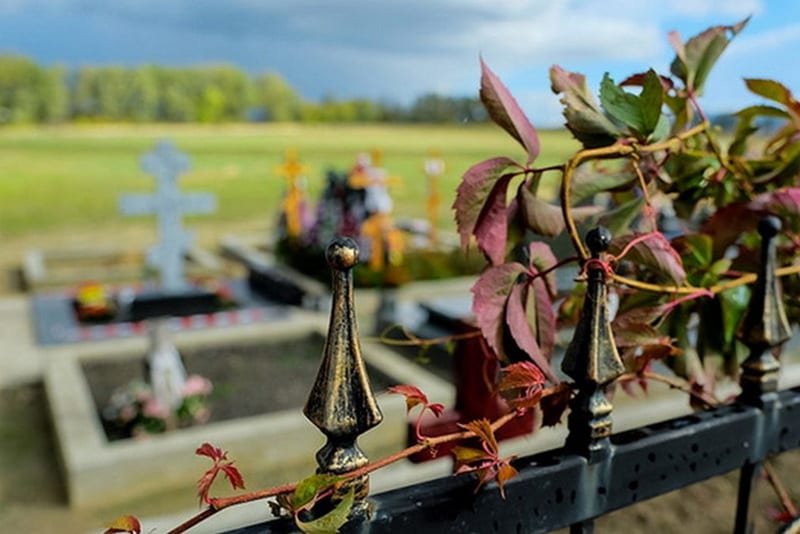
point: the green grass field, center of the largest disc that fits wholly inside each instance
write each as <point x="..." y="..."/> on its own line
<point x="68" y="178"/>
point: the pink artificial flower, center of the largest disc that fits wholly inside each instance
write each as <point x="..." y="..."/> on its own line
<point x="196" y="385"/>
<point x="155" y="409"/>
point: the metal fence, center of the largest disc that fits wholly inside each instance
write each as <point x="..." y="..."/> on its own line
<point x="595" y="472"/>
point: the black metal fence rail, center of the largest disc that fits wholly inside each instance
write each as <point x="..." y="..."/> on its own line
<point x="595" y="472"/>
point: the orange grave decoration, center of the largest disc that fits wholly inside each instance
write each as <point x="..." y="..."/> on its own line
<point x="292" y="170"/>
<point x="93" y="302"/>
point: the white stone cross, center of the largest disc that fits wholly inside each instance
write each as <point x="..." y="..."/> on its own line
<point x="166" y="163"/>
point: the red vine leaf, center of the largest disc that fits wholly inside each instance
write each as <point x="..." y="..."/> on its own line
<point x="784" y="203"/>
<point x="484" y="462"/>
<point x="491" y="229"/>
<point x="124" y="523"/>
<point x="436" y="408"/>
<point x="647" y="315"/>
<point x="541" y="258"/>
<point x="532" y="322"/>
<point x="553" y="406"/>
<point x="215" y="453"/>
<point x="505" y="472"/>
<point x="653" y="251"/>
<point x="490" y="294"/>
<point x="414" y="396"/>
<point x="521" y="385"/>
<point x="480" y="206"/>
<point x="504" y="110"/>
<point x="728" y="223"/>
<point x="483" y="430"/>
<point x="233" y="475"/>
<point x="638" y="335"/>
<point x="221" y="463"/>
<point x="540" y="216"/>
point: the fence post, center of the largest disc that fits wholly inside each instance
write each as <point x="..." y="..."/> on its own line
<point x="764" y="327"/>
<point x="592" y="361"/>
<point x="341" y="403"/>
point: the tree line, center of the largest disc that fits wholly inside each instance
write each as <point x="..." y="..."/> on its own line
<point x="32" y="93"/>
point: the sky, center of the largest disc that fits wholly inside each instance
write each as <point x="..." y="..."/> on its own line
<point x="395" y="51"/>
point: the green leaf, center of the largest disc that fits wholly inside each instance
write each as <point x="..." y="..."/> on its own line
<point x="771" y="90"/>
<point x="651" y="101"/>
<point x="619" y="220"/>
<point x="307" y="489"/>
<point x="639" y="113"/>
<point x="699" y="251"/>
<point x="331" y="522"/>
<point x="694" y="60"/>
<point x="734" y="304"/>
<point x="584" y="117"/>
<point x="745" y="127"/>
<point x="600" y="175"/>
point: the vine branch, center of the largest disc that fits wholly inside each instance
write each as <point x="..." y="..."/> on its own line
<point x="617" y="150"/>
<point x="219" y="504"/>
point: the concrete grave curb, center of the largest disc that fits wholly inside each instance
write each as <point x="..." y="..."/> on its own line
<point x="100" y="473"/>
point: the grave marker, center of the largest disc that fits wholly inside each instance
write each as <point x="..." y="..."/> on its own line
<point x="294" y="201"/>
<point x="166" y="164"/>
<point x="434" y="169"/>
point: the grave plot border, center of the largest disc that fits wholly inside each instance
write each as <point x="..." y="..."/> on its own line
<point x="39" y="266"/>
<point x="98" y="472"/>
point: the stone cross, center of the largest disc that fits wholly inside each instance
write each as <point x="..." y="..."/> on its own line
<point x="166" y="163"/>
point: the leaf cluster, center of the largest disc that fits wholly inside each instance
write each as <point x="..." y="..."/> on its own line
<point x="682" y="198"/>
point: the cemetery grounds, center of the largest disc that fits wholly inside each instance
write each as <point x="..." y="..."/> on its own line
<point x="59" y="188"/>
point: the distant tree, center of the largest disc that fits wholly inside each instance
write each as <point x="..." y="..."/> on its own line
<point x="141" y="94"/>
<point x="54" y="101"/>
<point x="435" y="108"/>
<point x="175" y="101"/>
<point x="211" y="107"/>
<point x="209" y="93"/>
<point x="276" y="99"/>
<point x="23" y="86"/>
<point x="233" y="85"/>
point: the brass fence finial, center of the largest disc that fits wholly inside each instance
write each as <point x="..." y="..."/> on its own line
<point x="341" y="403"/>
<point x="765" y="325"/>
<point x="592" y="359"/>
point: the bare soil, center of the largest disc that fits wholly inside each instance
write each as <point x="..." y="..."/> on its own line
<point x="248" y="379"/>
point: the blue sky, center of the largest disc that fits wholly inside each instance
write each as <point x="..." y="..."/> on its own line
<point x="398" y="50"/>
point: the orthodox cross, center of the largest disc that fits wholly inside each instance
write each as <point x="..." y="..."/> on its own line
<point x="168" y="204"/>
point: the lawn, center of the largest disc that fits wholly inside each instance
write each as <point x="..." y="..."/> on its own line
<point x="68" y="178"/>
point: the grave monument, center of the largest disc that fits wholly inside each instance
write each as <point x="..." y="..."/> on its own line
<point x="168" y="204"/>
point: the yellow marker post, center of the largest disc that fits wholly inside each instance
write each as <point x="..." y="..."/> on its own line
<point x="434" y="169"/>
<point x="292" y="170"/>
